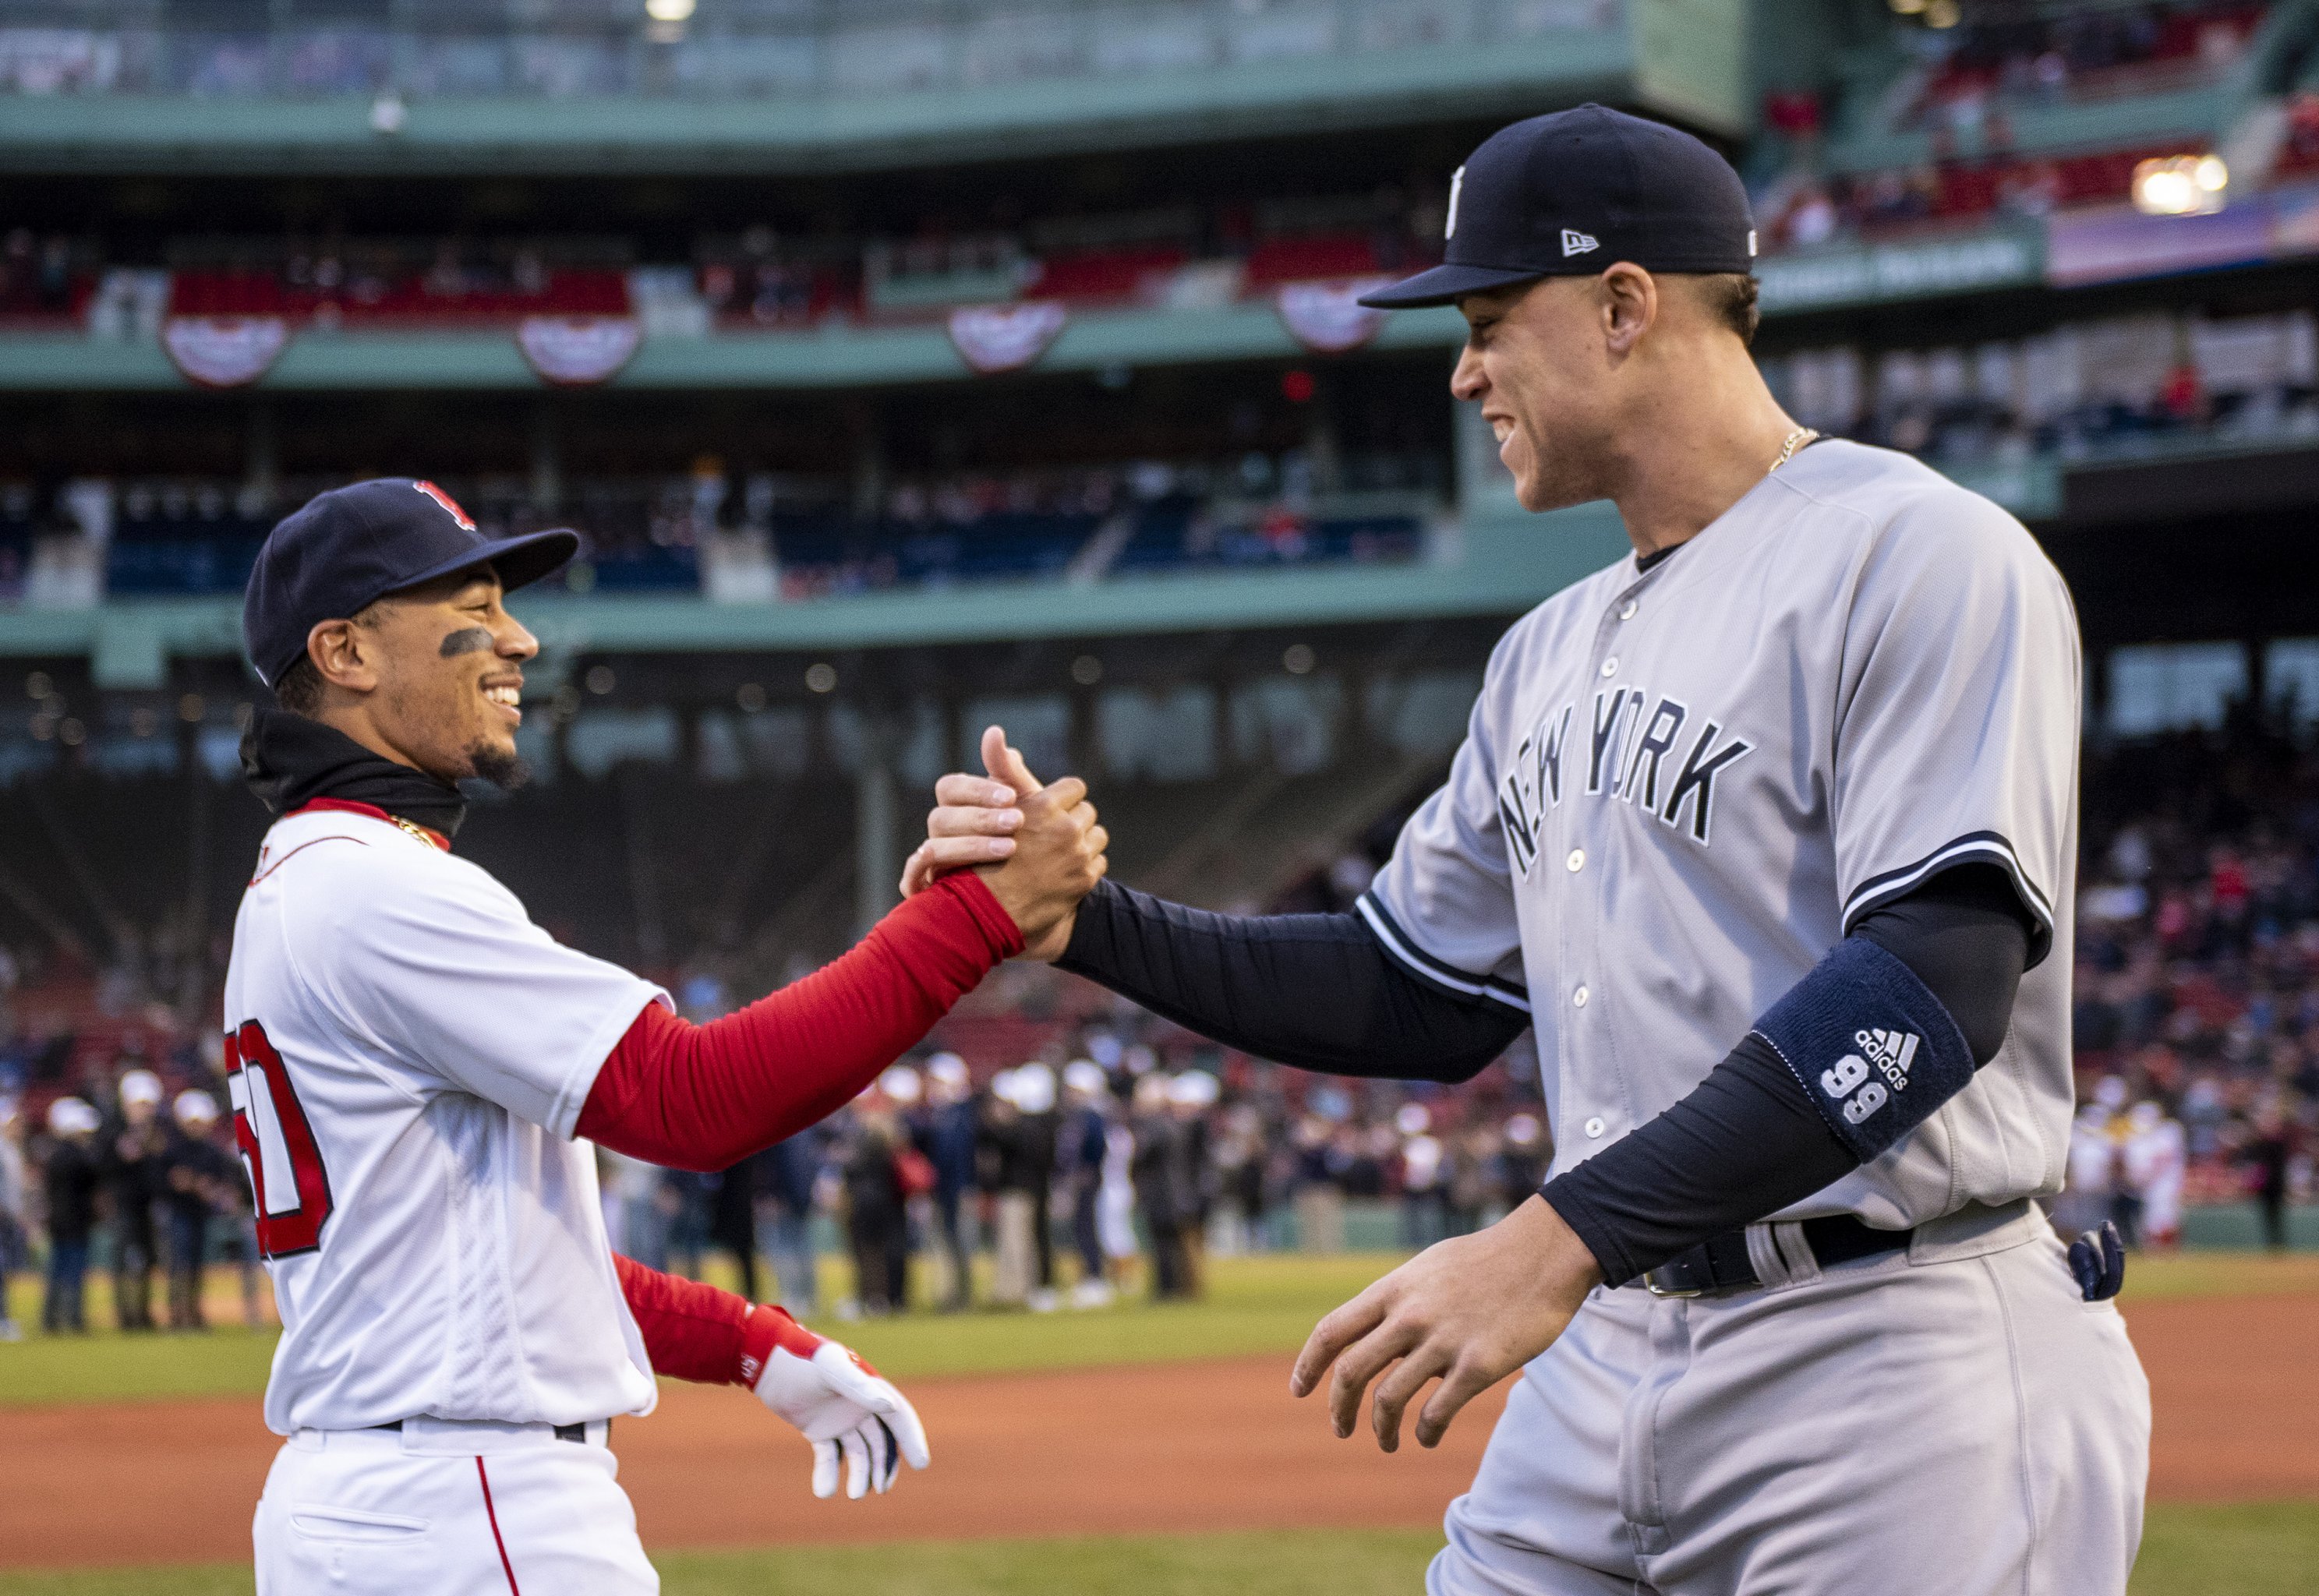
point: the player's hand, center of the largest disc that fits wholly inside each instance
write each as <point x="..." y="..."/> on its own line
<point x="1008" y="816"/>
<point x="1469" y="1311"/>
<point x="841" y="1405"/>
<point x="975" y="818"/>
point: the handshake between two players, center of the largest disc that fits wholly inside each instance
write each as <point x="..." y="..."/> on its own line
<point x="1470" y="1311"/>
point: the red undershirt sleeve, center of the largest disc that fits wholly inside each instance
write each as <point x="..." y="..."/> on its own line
<point x="691" y="1331"/>
<point x="706" y="1097"/>
<point x="697" y="1332"/>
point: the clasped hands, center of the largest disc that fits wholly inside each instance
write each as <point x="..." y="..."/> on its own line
<point x="1467" y="1311"/>
<point x="1038" y="848"/>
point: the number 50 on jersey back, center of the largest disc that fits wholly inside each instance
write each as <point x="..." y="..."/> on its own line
<point x="292" y="1188"/>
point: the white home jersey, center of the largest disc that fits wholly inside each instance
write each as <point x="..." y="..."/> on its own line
<point x="407" y="1056"/>
<point x="1681" y="787"/>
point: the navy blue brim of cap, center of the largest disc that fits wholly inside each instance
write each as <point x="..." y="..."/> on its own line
<point x="1446" y="284"/>
<point x="518" y="561"/>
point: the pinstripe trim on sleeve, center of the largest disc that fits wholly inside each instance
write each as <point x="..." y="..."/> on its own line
<point x="1985" y="847"/>
<point x="1423" y="965"/>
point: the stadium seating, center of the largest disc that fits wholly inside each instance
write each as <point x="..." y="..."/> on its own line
<point x="451" y="294"/>
<point x="2087" y="55"/>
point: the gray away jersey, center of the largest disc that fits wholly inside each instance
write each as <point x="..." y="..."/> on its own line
<point x="1681" y="787"/>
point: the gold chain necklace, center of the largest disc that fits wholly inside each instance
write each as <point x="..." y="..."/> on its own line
<point x="1795" y="441"/>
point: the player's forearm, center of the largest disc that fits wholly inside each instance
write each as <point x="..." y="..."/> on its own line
<point x="706" y="1097"/>
<point x="1317" y="991"/>
<point x="1750" y="1140"/>
<point x="691" y="1331"/>
<point x="697" y="1332"/>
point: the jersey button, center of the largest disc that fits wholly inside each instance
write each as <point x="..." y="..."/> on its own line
<point x="1611" y="666"/>
<point x="1594" y="1127"/>
<point x="1576" y="861"/>
<point x="1578" y="998"/>
<point x="1626" y="610"/>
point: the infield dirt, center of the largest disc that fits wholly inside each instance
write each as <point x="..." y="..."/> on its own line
<point x="1163" y="1447"/>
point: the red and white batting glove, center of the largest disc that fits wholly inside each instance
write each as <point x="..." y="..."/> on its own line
<point x="837" y="1401"/>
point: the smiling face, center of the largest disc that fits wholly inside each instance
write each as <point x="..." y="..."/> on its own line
<point x="1537" y="362"/>
<point x="431" y="677"/>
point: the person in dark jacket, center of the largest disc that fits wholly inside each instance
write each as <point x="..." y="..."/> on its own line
<point x="1037" y="1132"/>
<point x="877" y="1211"/>
<point x="1079" y="1156"/>
<point x="1191" y="1097"/>
<point x="733" y="1221"/>
<point x="786" y="1174"/>
<point x="2269" y="1152"/>
<point x="194" y="1173"/>
<point x="1160" y="1197"/>
<point x="952" y="1127"/>
<point x="69" y="1182"/>
<point x="134" y="1168"/>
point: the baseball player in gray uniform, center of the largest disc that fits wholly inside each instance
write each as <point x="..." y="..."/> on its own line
<point x="1768" y="832"/>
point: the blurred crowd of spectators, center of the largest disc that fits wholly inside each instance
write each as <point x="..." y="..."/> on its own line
<point x="1192" y="254"/>
<point x="1044" y="1187"/>
<point x="1124" y="1152"/>
<point x="792" y="49"/>
<point x="1803" y="208"/>
<point x="2197" y="976"/>
<point x="133" y="1180"/>
<point x="1963" y="80"/>
<point x="92" y="538"/>
<point x="1997" y="57"/>
<point x="2099" y="388"/>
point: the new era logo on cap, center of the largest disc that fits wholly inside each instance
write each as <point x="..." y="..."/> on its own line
<point x="1574" y="242"/>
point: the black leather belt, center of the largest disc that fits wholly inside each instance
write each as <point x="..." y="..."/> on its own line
<point x="1720" y="1263"/>
<point x="577" y="1433"/>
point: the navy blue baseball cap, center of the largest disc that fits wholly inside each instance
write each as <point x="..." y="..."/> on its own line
<point x="1569" y="194"/>
<point x="346" y="549"/>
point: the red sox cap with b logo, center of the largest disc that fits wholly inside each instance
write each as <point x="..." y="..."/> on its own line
<point x="348" y="547"/>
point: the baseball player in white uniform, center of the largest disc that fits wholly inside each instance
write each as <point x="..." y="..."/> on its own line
<point x="414" y="1065"/>
<point x="1768" y="832"/>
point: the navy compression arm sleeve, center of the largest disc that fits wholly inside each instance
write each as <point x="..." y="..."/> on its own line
<point x="1318" y="991"/>
<point x="1749" y="1139"/>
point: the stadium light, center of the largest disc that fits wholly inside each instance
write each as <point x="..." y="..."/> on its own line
<point x="2180" y="185"/>
<point x="670" y="11"/>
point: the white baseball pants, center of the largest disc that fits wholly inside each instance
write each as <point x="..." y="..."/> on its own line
<point x="450" y="1509"/>
<point x="1951" y="1420"/>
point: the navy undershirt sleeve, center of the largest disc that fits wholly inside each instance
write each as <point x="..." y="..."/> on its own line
<point x="1318" y="991"/>
<point x="1747" y="1139"/>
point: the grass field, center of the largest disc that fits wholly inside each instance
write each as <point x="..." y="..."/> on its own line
<point x="1254" y="1305"/>
<point x="1259" y="1304"/>
<point x="1265" y="1304"/>
<point x="2262" y="1550"/>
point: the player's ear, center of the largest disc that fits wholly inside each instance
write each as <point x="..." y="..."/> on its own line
<point x="344" y="654"/>
<point x="1627" y="299"/>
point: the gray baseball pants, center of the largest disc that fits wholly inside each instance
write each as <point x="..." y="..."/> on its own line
<point x="1949" y="1421"/>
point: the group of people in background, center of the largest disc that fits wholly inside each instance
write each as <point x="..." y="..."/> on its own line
<point x="1126" y="1152"/>
<point x="2196" y="1016"/>
<point x="1042" y="1187"/>
<point x="147" y="1185"/>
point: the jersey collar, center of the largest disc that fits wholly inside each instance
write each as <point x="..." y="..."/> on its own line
<point x="425" y="833"/>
